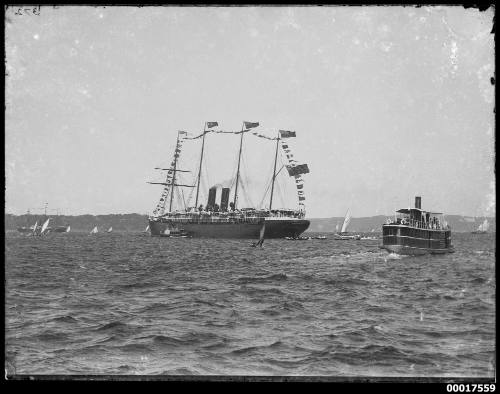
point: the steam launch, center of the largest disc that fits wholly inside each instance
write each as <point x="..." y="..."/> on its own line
<point x="414" y="231"/>
<point x="222" y="216"/>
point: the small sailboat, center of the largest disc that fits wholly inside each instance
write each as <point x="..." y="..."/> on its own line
<point x="347" y="220"/>
<point x="261" y="236"/>
<point x="344" y="235"/>
<point x="68" y="229"/>
<point x="44" y="227"/>
<point x="94" y="230"/>
<point x="110" y="230"/>
<point x="35" y="227"/>
<point x="483" y="228"/>
<point x="147" y="229"/>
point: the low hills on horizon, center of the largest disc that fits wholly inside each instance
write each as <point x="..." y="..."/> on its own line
<point x="134" y="222"/>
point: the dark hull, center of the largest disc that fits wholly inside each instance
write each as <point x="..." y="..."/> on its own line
<point x="408" y="240"/>
<point x="274" y="229"/>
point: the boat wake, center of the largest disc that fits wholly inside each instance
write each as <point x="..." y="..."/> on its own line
<point x="394" y="256"/>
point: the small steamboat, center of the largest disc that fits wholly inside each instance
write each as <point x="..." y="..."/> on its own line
<point x="414" y="231"/>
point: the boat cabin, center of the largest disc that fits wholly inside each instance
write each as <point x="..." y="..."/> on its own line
<point x="418" y="218"/>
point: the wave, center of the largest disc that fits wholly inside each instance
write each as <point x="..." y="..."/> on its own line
<point x="254" y="349"/>
<point x="180" y="371"/>
<point x="294" y="363"/>
<point x="261" y="291"/>
<point x="394" y="256"/>
<point x="114" y="327"/>
<point x="52" y="336"/>
<point x="136" y="285"/>
<point x="257" y="279"/>
<point x="135" y="347"/>
<point x="192" y="338"/>
<point x="65" y="319"/>
<point x="450" y="333"/>
<point x="347" y="281"/>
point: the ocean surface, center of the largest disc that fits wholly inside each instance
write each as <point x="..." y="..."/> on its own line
<point x="125" y="303"/>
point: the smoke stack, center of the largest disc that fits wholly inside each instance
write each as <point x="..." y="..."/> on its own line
<point x="418" y="202"/>
<point x="211" y="198"/>
<point x="224" y="200"/>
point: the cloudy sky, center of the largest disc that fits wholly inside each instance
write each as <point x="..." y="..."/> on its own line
<point x="387" y="103"/>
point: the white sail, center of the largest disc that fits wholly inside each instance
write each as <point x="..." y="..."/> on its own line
<point x="44" y="226"/>
<point x="485" y="225"/>
<point x="261" y="235"/>
<point x="67" y="230"/>
<point x="147" y="229"/>
<point x="110" y="229"/>
<point x="347" y="220"/>
<point x="35" y="226"/>
<point x="337" y="228"/>
<point x="94" y="230"/>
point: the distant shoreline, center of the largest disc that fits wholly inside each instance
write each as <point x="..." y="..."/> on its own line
<point x="135" y="222"/>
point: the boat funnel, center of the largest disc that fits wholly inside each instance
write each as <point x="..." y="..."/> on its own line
<point x="418" y="202"/>
<point x="224" y="200"/>
<point x="212" y="192"/>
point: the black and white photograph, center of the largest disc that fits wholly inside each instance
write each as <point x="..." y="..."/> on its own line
<point x="251" y="193"/>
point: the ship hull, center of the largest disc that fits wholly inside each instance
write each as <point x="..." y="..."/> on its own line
<point x="408" y="240"/>
<point x="274" y="229"/>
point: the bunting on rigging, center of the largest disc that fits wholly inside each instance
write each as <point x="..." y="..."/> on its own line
<point x="264" y="136"/>
<point x="198" y="136"/>
<point x="297" y="169"/>
<point x="287" y="133"/>
<point x="160" y="207"/>
<point x="250" y="125"/>
<point x="293" y="169"/>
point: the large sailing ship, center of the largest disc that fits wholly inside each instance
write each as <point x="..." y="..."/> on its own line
<point x="228" y="219"/>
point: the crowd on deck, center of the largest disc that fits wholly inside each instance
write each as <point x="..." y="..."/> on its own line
<point x="433" y="223"/>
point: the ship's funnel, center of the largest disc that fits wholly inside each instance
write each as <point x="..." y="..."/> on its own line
<point x="211" y="198"/>
<point x="224" y="200"/>
<point x="418" y="202"/>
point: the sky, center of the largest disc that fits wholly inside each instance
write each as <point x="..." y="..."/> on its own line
<point x="387" y="103"/>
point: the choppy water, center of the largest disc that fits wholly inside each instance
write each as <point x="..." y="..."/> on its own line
<point x="132" y="304"/>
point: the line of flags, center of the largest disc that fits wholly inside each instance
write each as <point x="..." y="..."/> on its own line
<point x="160" y="207"/>
<point x="295" y="170"/>
<point x="247" y="127"/>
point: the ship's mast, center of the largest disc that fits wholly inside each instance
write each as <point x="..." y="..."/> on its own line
<point x="274" y="171"/>
<point x="238" y="171"/>
<point x="173" y="178"/>
<point x="199" y="170"/>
